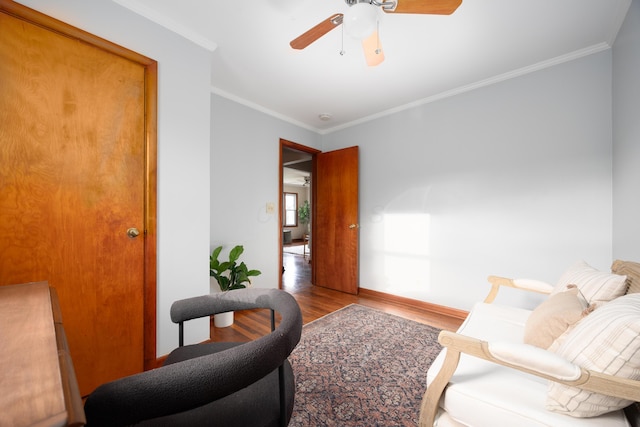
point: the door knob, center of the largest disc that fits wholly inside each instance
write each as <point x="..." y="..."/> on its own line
<point x="352" y="226"/>
<point x="133" y="232"/>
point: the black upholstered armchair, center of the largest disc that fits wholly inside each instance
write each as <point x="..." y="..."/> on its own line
<point x="211" y="384"/>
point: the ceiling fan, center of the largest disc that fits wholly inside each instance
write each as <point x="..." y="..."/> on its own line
<point x="361" y="22"/>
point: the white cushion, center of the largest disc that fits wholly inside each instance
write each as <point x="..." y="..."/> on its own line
<point x="444" y="420"/>
<point x="495" y="322"/>
<point x="596" y="286"/>
<point x="607" y="341"/>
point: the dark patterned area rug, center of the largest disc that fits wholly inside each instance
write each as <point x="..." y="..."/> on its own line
<point x="361" y="367"/>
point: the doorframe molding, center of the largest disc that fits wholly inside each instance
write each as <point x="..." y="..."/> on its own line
<point x="295" y="146"/>
<point x="151" y="148"/>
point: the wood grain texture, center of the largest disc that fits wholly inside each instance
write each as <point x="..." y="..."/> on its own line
<point x="335" y="220"/>
<point x="150" y="211"/>
<point x="317" y="31"/>
<point x="75" y="143"/>
<point x="38" y="385"/>
<point x="431" y="7"/>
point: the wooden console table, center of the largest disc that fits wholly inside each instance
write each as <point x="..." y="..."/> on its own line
<point x="38" y="384"/>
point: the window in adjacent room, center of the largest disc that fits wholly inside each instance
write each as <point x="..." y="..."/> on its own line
<point x="290" y="209"/>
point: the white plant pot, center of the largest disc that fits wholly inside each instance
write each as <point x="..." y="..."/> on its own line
<point x="221" y="320"/>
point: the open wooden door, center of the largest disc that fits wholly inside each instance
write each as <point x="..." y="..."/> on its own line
<point x="77" y="186"/>
<point x="335" y="220"/>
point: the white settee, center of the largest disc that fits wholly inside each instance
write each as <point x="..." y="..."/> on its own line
<point x="497" y="371"/>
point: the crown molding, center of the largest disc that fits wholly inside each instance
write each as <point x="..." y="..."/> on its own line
<point x="262" y="109"/>
<point x="482" y="83"/>
<point x="168" y="23"/>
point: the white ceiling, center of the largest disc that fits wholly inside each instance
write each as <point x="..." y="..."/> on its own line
<point x="294" y="177"/>
<point x="296" y="166"/>
<point x="427" y="56"/>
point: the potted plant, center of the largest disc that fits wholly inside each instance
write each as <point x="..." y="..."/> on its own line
<point x="304" y="216"/>
<point x="304" y="213"/>
<point x="229" y="275"/>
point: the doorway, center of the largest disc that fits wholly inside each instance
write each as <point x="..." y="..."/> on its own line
<point x="333" y="233"/>
<point x="296" y="190"/>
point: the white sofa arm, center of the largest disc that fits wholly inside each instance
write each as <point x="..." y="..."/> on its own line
<point x="534" y="358"/>
<point x="523" y="284"/>
<point x="541" y="363"/>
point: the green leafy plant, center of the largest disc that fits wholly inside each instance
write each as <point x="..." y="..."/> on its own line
<point x="304" y="213"/>
<point x="229" y="274"/>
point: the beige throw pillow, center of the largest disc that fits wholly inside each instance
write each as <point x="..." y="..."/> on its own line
<point x="553" y="317"/>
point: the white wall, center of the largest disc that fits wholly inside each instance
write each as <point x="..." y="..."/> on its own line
<point x="245" y="168"/>
<point x="513" y="179"/>
<point x="183" y="149"/>
<point x="626" y="138"/>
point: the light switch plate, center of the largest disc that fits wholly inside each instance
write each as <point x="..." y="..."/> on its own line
<point x="271" y="207"/>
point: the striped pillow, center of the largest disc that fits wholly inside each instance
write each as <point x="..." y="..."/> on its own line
<point x="596" y="286"/>
<point x="606" y="341"/>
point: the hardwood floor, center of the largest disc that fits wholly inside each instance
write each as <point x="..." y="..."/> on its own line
<point x="316" y="302"/>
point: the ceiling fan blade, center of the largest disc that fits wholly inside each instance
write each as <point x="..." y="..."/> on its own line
<point x="373" y="50"/>
<point x="431" y="7"/>
<point x="316" y="32"/>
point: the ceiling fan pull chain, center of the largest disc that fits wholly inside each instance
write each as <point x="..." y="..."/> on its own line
<point x="378" y="37"/>
<point x="342" y="52"/>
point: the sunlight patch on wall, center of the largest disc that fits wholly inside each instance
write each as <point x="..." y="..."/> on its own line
<point x="406" y="252"/>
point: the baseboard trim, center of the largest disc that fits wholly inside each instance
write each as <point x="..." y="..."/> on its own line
<point x="423" y="305"/>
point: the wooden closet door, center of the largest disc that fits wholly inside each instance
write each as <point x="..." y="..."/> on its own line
<point x="72" y="183"/>
<point x="335" y="236"/>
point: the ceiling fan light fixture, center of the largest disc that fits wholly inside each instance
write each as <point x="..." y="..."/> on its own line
<point x="360" y="20"/>
<point x="373" y="53"/>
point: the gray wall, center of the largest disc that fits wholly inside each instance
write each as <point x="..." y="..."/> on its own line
<point x="245" y="168"/>
<point x="184" y="73"/>
<point x="511" y="179"/>
<point x="626" y="138"/>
